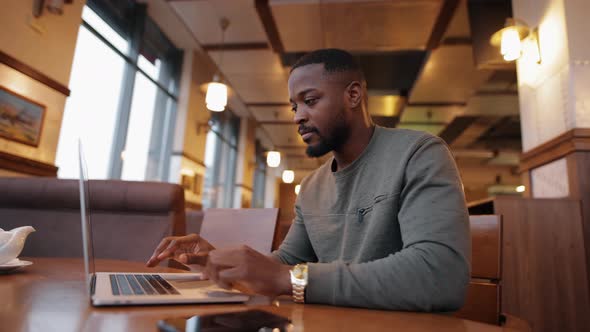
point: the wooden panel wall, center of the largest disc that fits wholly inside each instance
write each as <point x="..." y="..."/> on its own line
<point x="544" y="274"/>
<point x="578" y="164"/>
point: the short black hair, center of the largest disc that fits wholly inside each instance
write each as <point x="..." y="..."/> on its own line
<point x="334" y="60"/>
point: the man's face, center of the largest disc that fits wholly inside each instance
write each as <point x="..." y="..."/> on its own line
<point x="318" y="104"/>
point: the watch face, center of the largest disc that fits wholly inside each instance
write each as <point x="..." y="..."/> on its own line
<point x="299" y="272"/>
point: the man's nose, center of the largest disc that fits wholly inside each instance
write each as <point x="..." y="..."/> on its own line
<point x="300" y="117"/>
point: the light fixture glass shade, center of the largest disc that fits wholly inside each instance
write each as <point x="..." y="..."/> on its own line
<point x="520" y="189"/>
<point x="297" y="188"/>
<point x="511" y="47"/>
<point x="216" y="98"/>
<point x="288" y="176"/>
<point x="273" y="158"/>
<point x="510" y="38"/>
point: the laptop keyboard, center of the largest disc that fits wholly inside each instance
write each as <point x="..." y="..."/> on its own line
<point x="140" y="284"/>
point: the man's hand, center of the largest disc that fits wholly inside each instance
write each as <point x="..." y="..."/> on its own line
<point x="246" y="269"/>
<point x="188" y="249"/>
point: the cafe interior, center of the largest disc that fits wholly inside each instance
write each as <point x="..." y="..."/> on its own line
<point x="182" y="111"/>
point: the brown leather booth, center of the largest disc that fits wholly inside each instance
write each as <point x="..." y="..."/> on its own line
<point x="128" y="218"/>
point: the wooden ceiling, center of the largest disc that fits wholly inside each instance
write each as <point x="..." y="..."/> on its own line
<point x="417" y="54"/>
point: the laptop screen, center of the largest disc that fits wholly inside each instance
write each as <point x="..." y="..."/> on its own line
<point x="87" y="246"/>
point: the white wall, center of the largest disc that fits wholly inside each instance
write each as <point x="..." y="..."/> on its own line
<point x="51" y="53"/>
<point x="554" y="95"/>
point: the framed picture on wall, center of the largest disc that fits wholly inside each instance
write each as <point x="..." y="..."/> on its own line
<point x="21" y="119"/>
<point x="197" y="184"/>
<point x="186" y="181"/>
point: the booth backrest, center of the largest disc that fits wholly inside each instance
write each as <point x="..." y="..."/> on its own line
<point x="128" y="218"/>
<point x="483" y="294"/>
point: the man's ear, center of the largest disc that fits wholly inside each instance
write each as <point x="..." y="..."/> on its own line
<point x="354" y="94"/>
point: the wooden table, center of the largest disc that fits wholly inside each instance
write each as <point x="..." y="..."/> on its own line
<point x="50" y="295"/>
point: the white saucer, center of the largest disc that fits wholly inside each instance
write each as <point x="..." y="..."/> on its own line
<point x="13" y="265"/>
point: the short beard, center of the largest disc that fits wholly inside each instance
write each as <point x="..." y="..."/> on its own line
<point x="336" y="138"/>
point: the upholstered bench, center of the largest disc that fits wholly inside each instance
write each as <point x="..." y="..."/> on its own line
<point x="128" y="218"/>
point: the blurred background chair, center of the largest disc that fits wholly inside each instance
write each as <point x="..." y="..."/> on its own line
<point x="128" y="218"/>
<point x="483" y="295"/>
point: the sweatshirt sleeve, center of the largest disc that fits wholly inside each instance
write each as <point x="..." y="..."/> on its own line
<point x="296" y="248"/>
<point x="431" y="272"/>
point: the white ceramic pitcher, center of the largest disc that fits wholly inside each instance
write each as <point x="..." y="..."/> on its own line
<point x="12" y="242"/>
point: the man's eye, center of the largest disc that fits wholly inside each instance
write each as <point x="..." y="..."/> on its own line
<point x="310" y="101"/>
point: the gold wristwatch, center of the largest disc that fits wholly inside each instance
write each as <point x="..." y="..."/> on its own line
<point x="299" y="282"/>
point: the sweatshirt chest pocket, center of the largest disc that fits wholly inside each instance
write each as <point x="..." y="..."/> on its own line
<point x="381" y="206"/>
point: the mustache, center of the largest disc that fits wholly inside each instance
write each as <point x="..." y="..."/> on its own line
<point x="304" y="129"/>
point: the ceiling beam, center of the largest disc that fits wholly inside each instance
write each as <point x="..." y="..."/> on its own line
<point x="445" y="15"/>
<point x="456" y="41"/>
<point x="475" y="130"/>
<point x="270" y="26"/>
<point x="456" y="127"/>
<point x="235" y="47"/>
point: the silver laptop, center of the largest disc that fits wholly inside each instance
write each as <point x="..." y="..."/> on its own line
<point x="137" y="288"/>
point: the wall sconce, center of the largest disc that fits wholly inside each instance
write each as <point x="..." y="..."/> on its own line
<point x="297" y="189"/>
<point x="273" y="158"/>
<point x="516" y="39"/>
<point x="288" y="176"/>
<point x="216" y="98"/>
<point x="53" y="6"/>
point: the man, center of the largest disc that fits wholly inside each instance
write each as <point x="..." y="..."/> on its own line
<point x="382" y="224"/>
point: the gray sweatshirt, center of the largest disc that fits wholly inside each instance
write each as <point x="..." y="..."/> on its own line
<point x="389" y="231"/>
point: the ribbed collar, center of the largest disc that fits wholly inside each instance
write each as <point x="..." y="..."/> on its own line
<point x="350" y="169"/>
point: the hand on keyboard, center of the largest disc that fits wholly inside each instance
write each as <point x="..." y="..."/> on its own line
<point x="188" y="249"/>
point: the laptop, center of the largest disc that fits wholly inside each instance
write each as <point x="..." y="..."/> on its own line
<point x="140" y="288"/>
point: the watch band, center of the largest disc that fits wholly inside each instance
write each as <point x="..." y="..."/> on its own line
<point x="298" y="293"/>
<point x="299" y="282"/>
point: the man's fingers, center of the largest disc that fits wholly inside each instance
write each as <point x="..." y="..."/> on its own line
<point x="230" y="276"/>
<point x="169" y="252"/>
<point x="152" y="262"/>
<point x="225" y="278"/>
<point x="224" y="285"/>
<point x="199" y="259"/>
<point x="163" y="244"/>
<point x="235" y="278"/>
<point x="228" y="257"/>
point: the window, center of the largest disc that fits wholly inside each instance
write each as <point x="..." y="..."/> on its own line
<point x="124" y="90"/>
<point x="91" y="110"/>
<point x="259" y="177"/>
<point x="220" y="160"/>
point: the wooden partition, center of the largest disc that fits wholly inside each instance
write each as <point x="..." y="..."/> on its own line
<point x="544" y="273"/>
